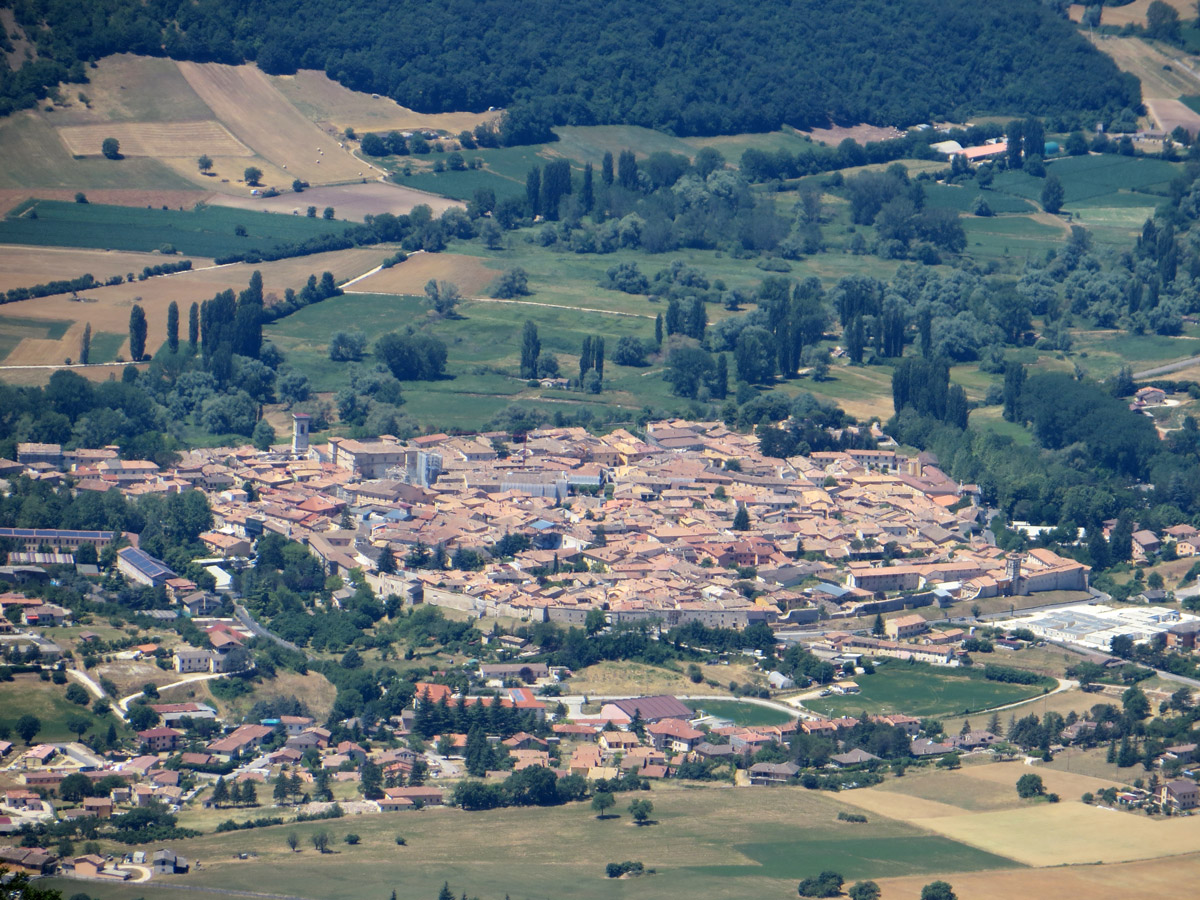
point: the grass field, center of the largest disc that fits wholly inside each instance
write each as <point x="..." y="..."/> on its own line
<point x="742" y="713"/>
<point x="209" y="231"/>
<point x="29" y="695"/>
<point x="745" y="842"/>
<point x="920" y="690"/>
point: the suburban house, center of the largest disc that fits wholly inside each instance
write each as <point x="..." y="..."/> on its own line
<point x="673" y="734"/>
<point x="905" y="627"/>
<point x="1179" y="795"/>
<point x="851" y="758"/>
<point x="168" y="862"/>
<point x="773" y="773"/>
<point x="161" y="739"/>
<point x="243" y="738"/>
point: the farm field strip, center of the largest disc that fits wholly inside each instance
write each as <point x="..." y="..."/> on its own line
<point x="252" y="108"/>
<point x="155" y="139"/>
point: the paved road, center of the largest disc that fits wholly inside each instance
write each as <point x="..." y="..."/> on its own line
<point x="125" y="701"/>
<point x="1169" y="367"/>
<point x="243" y="615"/>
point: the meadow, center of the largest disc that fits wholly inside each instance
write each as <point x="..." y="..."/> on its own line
<point x="920" y="690"/>
<point x="29" y="695"/>
<point x="717" y="842"/>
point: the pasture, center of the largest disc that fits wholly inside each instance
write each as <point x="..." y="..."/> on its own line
<point x="208" y="231"/>
<point x="713" y="842"/>
<point x="921" y="690"/>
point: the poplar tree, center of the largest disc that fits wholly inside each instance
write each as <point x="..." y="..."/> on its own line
<point x="173" y="326"/>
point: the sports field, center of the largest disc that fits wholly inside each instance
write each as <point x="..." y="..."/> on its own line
<point x="712" y="842"/>
<point x="920" y="690"/>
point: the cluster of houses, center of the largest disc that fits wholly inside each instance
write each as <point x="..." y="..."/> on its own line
<point x="638" y="527"/>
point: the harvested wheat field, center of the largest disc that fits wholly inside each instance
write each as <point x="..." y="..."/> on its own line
<point x="1134" y="13"/>
<point x="248" y="104"/>
<point x="1121" y="881"/>
<point x="1172" y="114"/>
<point x="22" y="266"/>
<point x="108" y="308"/>
<point x="353" y="202"/>
<point x="979" y="806"/>
<point x="155" y="139"/>
<point x="1161" y="75"/>
<point x="331" y="105"/>
<point x="411" y="276"/>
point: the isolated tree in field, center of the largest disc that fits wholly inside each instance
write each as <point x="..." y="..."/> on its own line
<point x="1030" y="786"/>
<point x="938" y="890"/>
<point x="85" y="344"/>
<point x="602" y="802"/>
<point x="443" y="296"/>
<point x="205" y="164"/>
<point x="513" y="283"/>
<point x="27" y="727"/>
<point x="641" y="810"/>
<point x="1052" y="194"/>
<point x="827" y="884"/>
<point x="531" y="348"/>
<point x="293" y="841"/>
<point x="320" y="841"/>
<point x="328" y="213"/>
<point x="252" y="175"/>
<point x="77" y="725"/>
<point x="173" y="327"/>
<point x="111" y="148"/>
<point x="297" y="186"/>
<point x="864" y="890"/>
<point x="137" y="333"/>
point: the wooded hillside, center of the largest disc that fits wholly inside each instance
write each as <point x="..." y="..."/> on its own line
<point x="695" y="67"/>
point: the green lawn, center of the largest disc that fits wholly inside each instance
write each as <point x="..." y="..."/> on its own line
<point x="206" y="231"/>
<point x="719" y="843"/>
<point x="920" y="690"/>
<point x="741" y="713"/>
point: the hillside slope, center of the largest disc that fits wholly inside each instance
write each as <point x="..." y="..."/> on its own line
<point x="695" y="67"/>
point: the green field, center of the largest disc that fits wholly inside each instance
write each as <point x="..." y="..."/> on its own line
<point x="920" y="690"/>
<point x="105" y="346"/>
<point x="28" y="694"/>
<point x="206" y="231"/>
<point x="719" y="843"/>
<point x="742" y="713"/>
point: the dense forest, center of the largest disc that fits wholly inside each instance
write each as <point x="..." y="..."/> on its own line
<point x="702" y="67"/>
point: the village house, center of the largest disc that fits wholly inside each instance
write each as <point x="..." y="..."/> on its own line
<point x="1179" y="795"/>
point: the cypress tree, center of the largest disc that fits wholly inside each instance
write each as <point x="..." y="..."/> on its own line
<point x="193" y="327"/>
<point x="137" y="333"/>
<point x="598" y="350"/>
<point x="531" y="347"/>
<point x="720" y="386"/>
<point x="587" y="197"/>
<point x="533" y="190"/>
<point x="741" y="521"/>
<point x="606" y="168"/>
<point x="585" y="357"/>
<point x="173" y="326"/>
<point x="85" y="344"/>
<point x="658" y="329"/>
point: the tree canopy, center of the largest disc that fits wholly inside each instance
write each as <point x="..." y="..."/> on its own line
<point x="701" y="67"/>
